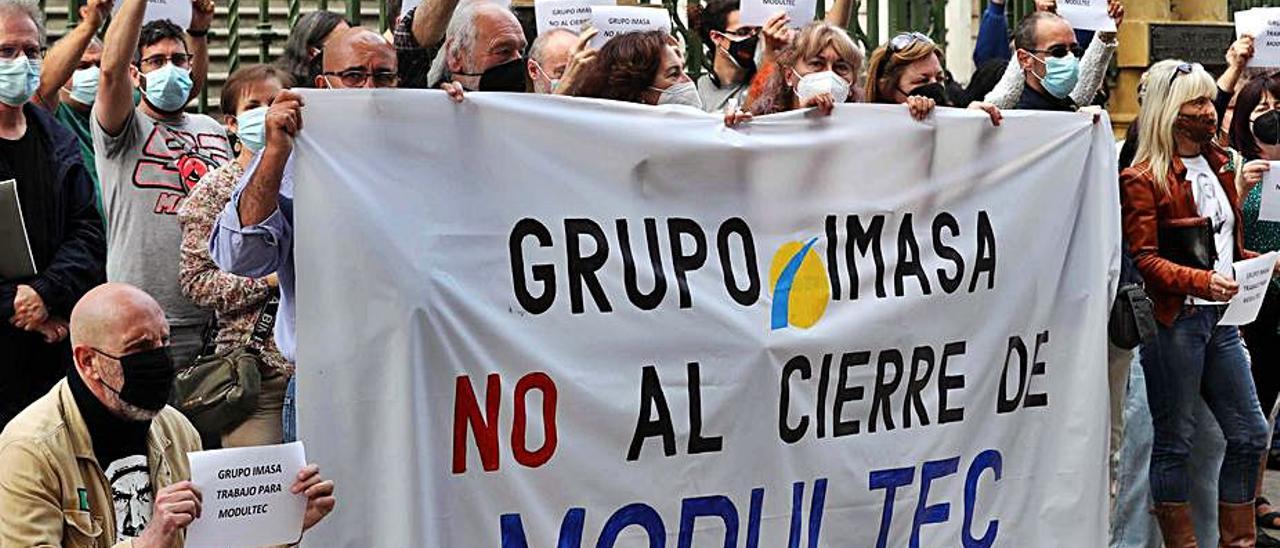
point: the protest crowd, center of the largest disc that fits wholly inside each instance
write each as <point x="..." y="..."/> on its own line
<point x="162" y="261"/>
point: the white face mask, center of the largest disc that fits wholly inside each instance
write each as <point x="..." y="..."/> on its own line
<point x="683" y="93"/>
<point x="816" y="83"/>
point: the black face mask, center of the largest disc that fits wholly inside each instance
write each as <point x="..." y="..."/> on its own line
<point x="148" y="378"/>
<point x="509" y="76"/>
<point x="743" y="53"/>
<point x="936" y="91"/>
<point x="1266" y="128"/>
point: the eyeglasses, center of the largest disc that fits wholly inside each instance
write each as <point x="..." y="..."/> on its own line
<point x="357" y="78"/>
<point x="9" y="53"/>
<point x="1061" y="50"/>
<point x="904" y="40"/>
<point x="1185" y="68"/>
<point x="180" y="60"/>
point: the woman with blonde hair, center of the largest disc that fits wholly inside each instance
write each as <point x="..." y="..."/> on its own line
<point x="908" y="69"/>
<point x="818" y="69"/>
<point x="1181" y="217"/>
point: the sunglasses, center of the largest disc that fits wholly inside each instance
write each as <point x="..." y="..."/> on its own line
<point x="1061" y="50"/>
<point x="357" y="78"/>
<point x="1185" y="68"/>
<point x="903" y="40"/>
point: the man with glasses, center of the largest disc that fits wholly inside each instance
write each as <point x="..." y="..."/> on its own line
<point x="63" y="230"/>
<point x="731" y="48"/>
<point x="254" y="233"/>
<point x="1050" y="59"/>
<point x="100" y="460"/>
<point x="151" y="155"/>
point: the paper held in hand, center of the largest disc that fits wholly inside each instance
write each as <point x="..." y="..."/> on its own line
<point x="568" y="14"/>
<point x="755" y="12"/>
<point x="246" y="498"/>
<point x="1253" y="275"/>
<point x="1270" y="210"/>
<point x="615" y="20"/>
<point x="177" y="11"/>
<point x="1264" y="25"/>
<point x="1087" y="15"/>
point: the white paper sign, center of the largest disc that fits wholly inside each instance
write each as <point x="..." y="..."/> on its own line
<point x="177" y="11"/>
<point x="1087" y="14"/>
<point x="1264" y="25"/>
<point x="755" y="12"/>
<point x="553" y="14"/>
<point x="615" y="20"/>
<point x="246" y="496"/>
<point x="1270" y="210"/>
<point x="1253" y="275"/>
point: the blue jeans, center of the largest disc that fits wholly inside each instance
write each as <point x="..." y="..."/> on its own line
<point x="1132" y="525"/>
<point x="290" y="412"/>
<point x="1192" y="359"/>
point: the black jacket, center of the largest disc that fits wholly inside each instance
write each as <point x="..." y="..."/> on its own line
<point x="1034" y="100"/>
<point x="77" y="240"/>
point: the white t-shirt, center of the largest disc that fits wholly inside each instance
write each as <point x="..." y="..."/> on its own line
<point x="1211" y="201"/>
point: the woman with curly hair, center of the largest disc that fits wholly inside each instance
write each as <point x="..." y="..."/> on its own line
<point x="640" y="67"/>
<point x="819" y="69"/>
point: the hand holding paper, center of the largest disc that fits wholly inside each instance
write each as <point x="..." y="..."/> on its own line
<point x="1087" y="14"/>
<point x="1253" y="275"/>
<point x="1263" y="24"/>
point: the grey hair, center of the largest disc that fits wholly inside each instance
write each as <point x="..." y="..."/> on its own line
<point x="535" y="50"/>
<point x="460" y="35"/>
<point x="29" y="8"/>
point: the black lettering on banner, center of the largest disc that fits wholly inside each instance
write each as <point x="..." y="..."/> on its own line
<point x="986" y="261"/>
<point x="543" y="273"/>
<point x="1037" y="369"/>
<point x="947" y="383"/>
<point x="582" y="270"/>
<point x="833" y="268"/>
<point x="1007" y="404"/>
<point x="880" y="403"/>
<point x="908" y="258"/>
<point x="946" y="220"/>
<point x="682" y="262"/>
<point x="824" y="379"/>
<point x="916" y="384"/>
<point x="652" y="398"/>
<point x="735" y="225"/>
<point x="785" y="430"/>
<point x="864" y="239"/>
<point x="846" y="393"/>
<point x="650" y="300"/>
<point x="698" y="443"/>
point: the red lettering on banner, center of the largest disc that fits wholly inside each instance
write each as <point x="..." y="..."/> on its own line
<point x="519" y="441"/>
<point x="466" y="411"/>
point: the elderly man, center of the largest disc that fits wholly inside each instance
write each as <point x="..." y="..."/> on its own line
<point x="63" y="229"/>
<point x="549" y="56"/>
<point x="101" y="459"/>
<point x="254" y="234"/>
<point x="151" y="155"/>
<point x="483" y="50"/>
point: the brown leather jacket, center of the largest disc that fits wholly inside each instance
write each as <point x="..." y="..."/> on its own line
<point x="1145" y="208"/>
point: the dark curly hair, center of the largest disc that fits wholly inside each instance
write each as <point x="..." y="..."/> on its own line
<point x="155" y="32"/>
<point x="625" y="67"/>
<point x="712" y="17"/>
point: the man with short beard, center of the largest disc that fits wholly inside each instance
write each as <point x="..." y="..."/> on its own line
<point x="101" y="455"/>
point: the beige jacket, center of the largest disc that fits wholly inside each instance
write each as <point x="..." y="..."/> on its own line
<point x="52" y="490"/>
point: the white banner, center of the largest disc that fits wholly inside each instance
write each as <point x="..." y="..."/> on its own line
<point x="863" y="331"/>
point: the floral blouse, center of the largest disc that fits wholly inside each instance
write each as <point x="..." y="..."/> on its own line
<point x="236" y="299"/>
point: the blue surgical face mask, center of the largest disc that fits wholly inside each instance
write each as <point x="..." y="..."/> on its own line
<point x="168" y="88"/>
<point x="252" y="128"/>
<point x="19" y="79"/>
<point x="1060" y="74"/>
<point x="84" y="85"/>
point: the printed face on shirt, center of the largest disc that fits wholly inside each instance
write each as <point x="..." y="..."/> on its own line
<point x="131" y="495"/>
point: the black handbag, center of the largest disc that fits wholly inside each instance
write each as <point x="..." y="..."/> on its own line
<point x="1188" y="242"/>
<point x="1133" y="318"/>
<point x="220" y="390"/>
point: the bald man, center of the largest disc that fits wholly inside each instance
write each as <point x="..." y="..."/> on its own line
<point x="101" y="460"/>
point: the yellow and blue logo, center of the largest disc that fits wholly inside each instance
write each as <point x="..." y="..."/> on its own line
<point x="801" y="289"/>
